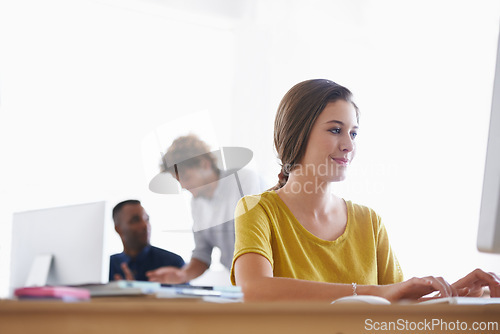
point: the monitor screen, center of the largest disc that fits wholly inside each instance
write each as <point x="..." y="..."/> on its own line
<point x="72" y="237"/>
<point x="488" y="239"/>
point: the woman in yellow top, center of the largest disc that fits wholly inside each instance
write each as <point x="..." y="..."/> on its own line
<point x="299" y="241"/>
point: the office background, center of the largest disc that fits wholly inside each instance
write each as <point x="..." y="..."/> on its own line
<point x="84" y="84"/>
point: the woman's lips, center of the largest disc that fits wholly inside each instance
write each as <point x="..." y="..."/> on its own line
<point x="341" y="161"/>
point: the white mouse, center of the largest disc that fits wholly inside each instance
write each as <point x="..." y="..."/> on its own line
<point x="362" y="299"/>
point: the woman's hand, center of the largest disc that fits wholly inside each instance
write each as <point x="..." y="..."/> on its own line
<point x="416" y="288"/>
<point x="472" y="284"/>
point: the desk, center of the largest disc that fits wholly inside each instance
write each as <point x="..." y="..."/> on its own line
<point x="151" y="316"/>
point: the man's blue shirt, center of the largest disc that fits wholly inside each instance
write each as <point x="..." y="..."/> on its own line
<point x="150" y="258"/>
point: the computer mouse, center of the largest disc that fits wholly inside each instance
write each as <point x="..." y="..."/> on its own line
<point x="362" y="299"/>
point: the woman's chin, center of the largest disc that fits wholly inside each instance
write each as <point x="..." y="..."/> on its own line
<point x="338" y="178"/>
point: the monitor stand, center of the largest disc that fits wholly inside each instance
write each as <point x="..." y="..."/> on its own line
<point x="39" y="271"/>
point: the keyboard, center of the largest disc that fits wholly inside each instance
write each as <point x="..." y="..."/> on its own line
<point x="462" y="301"/>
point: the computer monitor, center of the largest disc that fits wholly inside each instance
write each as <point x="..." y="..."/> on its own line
<point x="62" y="245"/>
<point x="488" y="238"/>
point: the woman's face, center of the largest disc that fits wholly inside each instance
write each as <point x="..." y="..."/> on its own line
<point x="331" y="146"/>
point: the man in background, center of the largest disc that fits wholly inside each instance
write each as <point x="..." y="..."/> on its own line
<point x="138" y="256"/>
<point x="215" y="195"/>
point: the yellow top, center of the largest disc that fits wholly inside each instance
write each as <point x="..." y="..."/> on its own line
<point x="362" y="254"/>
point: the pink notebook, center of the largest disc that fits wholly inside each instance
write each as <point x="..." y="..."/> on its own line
<point x="54" y="292"/>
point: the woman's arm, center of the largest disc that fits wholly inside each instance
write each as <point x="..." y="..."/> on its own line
<point x="254" y="274"/>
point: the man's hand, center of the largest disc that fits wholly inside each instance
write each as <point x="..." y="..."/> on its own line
<point x="129" y="276"/>
<point x="167" y="275"/>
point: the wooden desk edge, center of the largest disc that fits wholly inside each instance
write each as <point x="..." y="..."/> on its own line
<point x="129" y="305"/>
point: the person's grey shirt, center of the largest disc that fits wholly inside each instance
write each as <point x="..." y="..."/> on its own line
<point x="213" y="218"/>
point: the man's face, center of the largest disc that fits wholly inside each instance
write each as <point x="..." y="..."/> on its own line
<point x="133" y="226"/>
<point x="196" y="179"/>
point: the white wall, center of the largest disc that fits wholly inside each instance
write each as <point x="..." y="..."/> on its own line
<point x="82" y="83"/>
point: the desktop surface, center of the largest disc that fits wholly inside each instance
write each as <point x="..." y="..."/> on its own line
<point x="151" y="315"/>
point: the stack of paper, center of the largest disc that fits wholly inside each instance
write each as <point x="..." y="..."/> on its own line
<point x="207" y="293"/>
<point x="122" y="288"/>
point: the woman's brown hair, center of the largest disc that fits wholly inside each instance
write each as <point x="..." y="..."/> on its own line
<point x="297" y="112"/>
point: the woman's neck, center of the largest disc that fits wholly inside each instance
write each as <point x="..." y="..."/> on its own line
<point x="310" y="193"/>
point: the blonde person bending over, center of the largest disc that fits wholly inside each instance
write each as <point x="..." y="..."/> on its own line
<point x="300" y="241"/>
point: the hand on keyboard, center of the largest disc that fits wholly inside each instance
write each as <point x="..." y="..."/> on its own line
<point x="472" y="284"/>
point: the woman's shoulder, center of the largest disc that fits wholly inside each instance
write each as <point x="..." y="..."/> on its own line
<point x="266" y="201"/>
<point x="265" y="198"/>
<point x="362" y="213"/>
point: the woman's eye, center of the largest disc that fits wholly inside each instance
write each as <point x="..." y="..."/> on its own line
<point x="354" y="134"/>
<point x="337" y="130"/>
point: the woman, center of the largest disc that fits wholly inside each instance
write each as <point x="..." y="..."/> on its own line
<point x="299" y="241"/>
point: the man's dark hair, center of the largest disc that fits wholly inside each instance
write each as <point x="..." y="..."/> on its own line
<point x="118" y="207"/>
